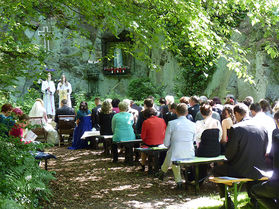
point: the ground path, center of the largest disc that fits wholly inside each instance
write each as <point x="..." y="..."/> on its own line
<point x="88" y="179"/>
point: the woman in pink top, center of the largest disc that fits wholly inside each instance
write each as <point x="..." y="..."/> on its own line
<point x="114" y="104"/>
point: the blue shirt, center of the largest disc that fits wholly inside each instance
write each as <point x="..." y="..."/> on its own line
<point x="82" y="113"/>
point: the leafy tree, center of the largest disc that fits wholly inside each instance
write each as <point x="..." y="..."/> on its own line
<point x="197" y="32"/>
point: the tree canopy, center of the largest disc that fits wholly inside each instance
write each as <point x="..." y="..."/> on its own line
<point x="197" y="32"/>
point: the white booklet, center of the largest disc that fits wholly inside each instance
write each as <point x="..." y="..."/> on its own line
<point x="90" y="133"/>
<point x="30" y="136"/>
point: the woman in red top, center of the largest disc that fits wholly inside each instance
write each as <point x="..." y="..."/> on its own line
<point x="152" y="133"/>
<point x="17" y="130"/>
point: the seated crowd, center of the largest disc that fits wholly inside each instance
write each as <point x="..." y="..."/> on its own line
<point x="245" y="132"/>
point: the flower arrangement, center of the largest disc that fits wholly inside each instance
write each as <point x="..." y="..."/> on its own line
<point x="116" y="70"/>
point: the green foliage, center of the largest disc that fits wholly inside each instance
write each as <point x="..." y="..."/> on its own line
<point x="272" y="51"/>
<point x="113" y="95"/>
<point x="4" y="97"/>
<point x="22" y="182"/>
<point x="26" y="102"/>
<point x="193" y="81"/>
<point x="203" y="28"/>
<point x="140" y="88"/>
<point x="83" y="96"/>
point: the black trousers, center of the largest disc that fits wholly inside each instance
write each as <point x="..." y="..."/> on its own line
<point x="128" y="152"/>
<point x="267" y="194"/>
<point x="114" y="150"/>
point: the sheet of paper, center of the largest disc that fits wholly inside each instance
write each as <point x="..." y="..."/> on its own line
<point x="265" y="173"/>
<point x="89" y="134"/>
<point x="30" y="136"/>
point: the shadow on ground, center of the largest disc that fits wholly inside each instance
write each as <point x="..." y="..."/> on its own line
<point x="88" y="179"/>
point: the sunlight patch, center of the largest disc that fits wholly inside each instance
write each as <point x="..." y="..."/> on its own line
<point x="147" y="186"/>
<point x="115" y="168"/>
<point x="138" y="204"/>
<point x="130" y="187"/>
<point x="72" y="158"/>
<point x="198" y="203"/>
<point x="86" y="178"/>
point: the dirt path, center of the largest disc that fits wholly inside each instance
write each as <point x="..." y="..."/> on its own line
<point x="87" y="179"/>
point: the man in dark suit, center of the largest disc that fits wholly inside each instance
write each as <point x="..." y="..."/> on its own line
<point x="245" y="150"/>
<point x="194" y="106"/>
<point x="171" y="115"/>
<point x="63" y="110"/>
<point x="135" y="106"/>
<point x="267" y="193"/>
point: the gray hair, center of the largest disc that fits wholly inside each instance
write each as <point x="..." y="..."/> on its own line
<point x="123" y="106"/>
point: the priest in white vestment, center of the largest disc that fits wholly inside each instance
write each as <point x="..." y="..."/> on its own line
<point x="48" y="90"/>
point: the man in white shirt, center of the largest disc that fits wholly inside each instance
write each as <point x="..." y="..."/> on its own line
<point x="262" y="119"/>
<point x="179" y="138"/>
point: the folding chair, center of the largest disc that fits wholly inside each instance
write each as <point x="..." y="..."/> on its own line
<point x="66" y="125"/>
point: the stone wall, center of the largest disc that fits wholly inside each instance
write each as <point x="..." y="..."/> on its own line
<point x="75" y="58"/>
<point x="169" y="69"/>
<point x="261" y="67"/>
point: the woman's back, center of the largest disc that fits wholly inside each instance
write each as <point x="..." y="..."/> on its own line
<point x="122" y="127"/>
<point x="38" y="110"/>
<point x="227" y="123"/>
<point x="209" y="145"/>
<point x="153" y="131"/>
<point x="208" y="123"/>
<point x="105" y="123"/>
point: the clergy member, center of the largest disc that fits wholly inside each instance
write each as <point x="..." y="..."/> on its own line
<point x="64" y="90"/>
<point x="48" y="90"/>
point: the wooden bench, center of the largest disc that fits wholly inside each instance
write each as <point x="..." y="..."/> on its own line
<point x="107" y="142"/>
<point x="196" y="161"/>
<point x="153" y="154"/>
<point x="129" y="145"/>
<point x="92" y="137"/>
<point x="235" y="182"/>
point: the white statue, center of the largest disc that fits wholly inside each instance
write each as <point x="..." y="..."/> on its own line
<point x="118" y="61"/>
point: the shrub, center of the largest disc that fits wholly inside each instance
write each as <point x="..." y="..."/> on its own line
<point x="140" y="88"/>
<point x="83" y="96"/>
<point x="23" y="184"/>
<point x="26" y="102"/>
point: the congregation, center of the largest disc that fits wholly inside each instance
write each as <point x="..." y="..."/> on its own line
<point x="245" y="132"/>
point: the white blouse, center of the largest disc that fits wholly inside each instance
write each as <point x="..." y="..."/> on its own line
<point x="207" y="123"/>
